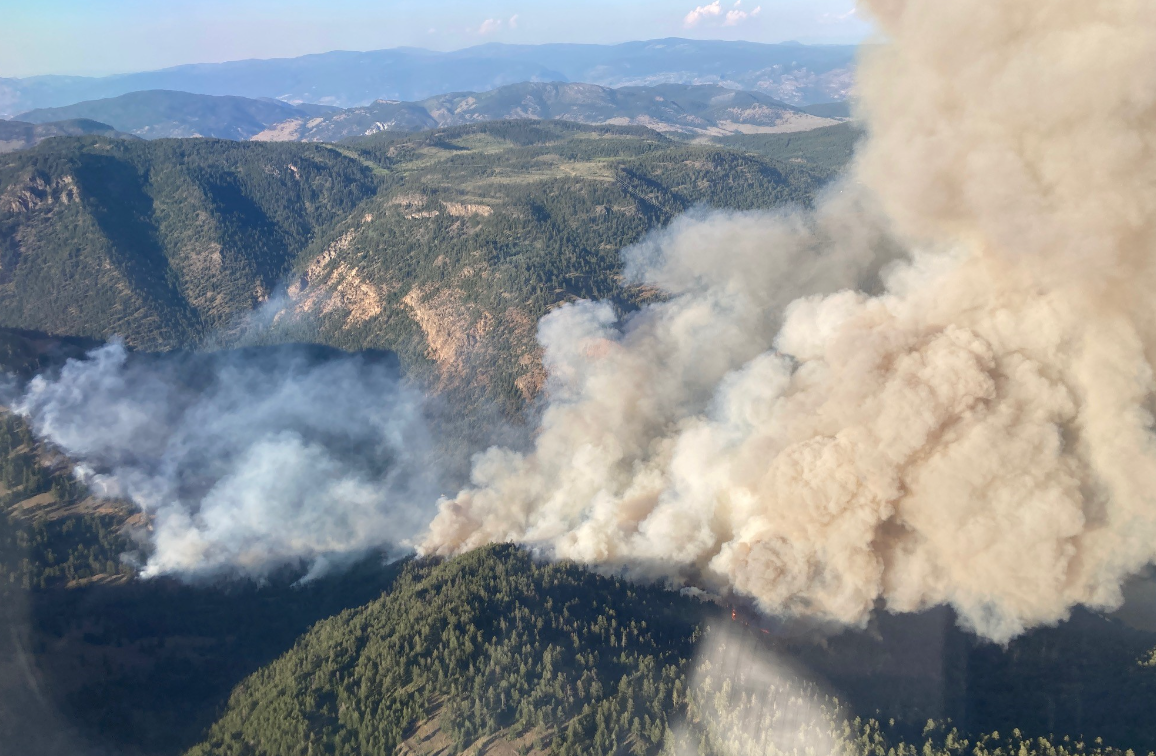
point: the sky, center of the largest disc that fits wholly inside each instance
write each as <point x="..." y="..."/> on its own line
<point x="97" y="37"/>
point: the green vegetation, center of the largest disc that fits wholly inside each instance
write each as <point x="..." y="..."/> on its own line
<point x="142" y="668"/>
<point x="479" y="230"/>
<point x="445" y="247"/>
<point x="497" y="642"/>
<point x="159" y="242"/>
<point x="493" y="648"/>
<point x="827" y="150"/>
<point x="48" y="536"/>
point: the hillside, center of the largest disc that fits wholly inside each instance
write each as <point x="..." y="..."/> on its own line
<point x="20" y="135"/>
<point x="445" y="247"/>
<point x="158" y="114"/>
<point x="825" y="149"/>
<point x="159" y="241"/>
<point x="484" y="228"/>
<point x="794" y="73"/>
<point x="704" y="110"/>
<point x="494" y="653"/>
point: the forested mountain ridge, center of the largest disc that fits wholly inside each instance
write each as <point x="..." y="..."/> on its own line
<point x="480" y="229"/>
<point x="160" y="114"/>
<point x="159" y="242"/>
<point x="19" y="135"/>
<point x="494" y="653"/>
<point x="444" y="246"/>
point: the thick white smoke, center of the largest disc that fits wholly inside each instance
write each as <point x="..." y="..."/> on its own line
<point x="250" y="459"/>
<point x="976" y="431"/>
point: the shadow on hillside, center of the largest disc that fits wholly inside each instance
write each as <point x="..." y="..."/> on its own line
<point x="144" y="667"/>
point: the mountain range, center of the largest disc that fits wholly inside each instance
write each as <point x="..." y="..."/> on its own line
<point x="159" y="114"/>
<point x="693" y="110"/>
<point x="793" y="73"/>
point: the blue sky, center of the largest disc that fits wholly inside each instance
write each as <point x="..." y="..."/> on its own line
<point x="109" y="36"/>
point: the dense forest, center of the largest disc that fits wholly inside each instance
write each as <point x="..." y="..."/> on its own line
<point x="159" y="242"/>
<point x="493" y="652"/>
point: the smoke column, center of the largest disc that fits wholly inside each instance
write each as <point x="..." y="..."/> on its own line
<point x="250" y="459"/>
<point x="816" y="423"/>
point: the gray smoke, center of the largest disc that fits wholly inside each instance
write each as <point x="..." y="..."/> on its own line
<point x="975" y="432"/>
<point x="246" y="459"/>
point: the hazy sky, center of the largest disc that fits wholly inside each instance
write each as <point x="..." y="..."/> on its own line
<point x="109" y="36"/>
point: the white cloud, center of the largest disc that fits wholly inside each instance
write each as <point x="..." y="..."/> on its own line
<point x="837" y="18"/>
<point x="514" y="21"/>
<point x="490" y="25"/>
<point x="736" y="16"/>
<point x="702" y="12"/>
<point x="732" y="17"/>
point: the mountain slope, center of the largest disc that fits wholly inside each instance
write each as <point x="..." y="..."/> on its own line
<point x="158" y="114"/>
<point x="829" y="148"/>
<point x="159" y="241"/>
<point x="469" y="639"/>
<point x="20" y="135"/>
<point x="693" y="110"/>
<point x="793" y="73"/>
<point x="488" y="226"/>
<point x="495" y="653"/>
<point x="445" y="247"/>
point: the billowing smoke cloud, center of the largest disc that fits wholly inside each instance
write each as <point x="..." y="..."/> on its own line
<point x="247" y="459"/>
<point x="971" y="426"/>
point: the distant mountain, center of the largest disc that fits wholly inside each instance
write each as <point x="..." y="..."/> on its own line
<point x="20" y="135"/>
<point x="699" y="110"/>
<point x="794" y="73"/>
<point x="156" y="114"/>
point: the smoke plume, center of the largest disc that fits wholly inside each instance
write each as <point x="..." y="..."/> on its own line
<point x="246" y="459"/>
<point x="825" y="426"/>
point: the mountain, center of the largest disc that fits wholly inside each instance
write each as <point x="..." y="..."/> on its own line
<point x="793" y="73"/>
<point x="829" y="148"/>
<point x="496" y="653"/>
<point x="20" y="135"/>
<point x="160" y="241"/>
<point x="444" y="246"/>
<point x="700" y="110"/>
<point x="157" y="114"/>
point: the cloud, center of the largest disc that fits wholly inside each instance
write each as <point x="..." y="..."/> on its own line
<point x="490" y="26"/>
<point x="702" y="13"/>
<point x="733" y="17"/>
<point x="737" y="16"/>
<point x="837" y="18"/>
<point x="514" y="21"/>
